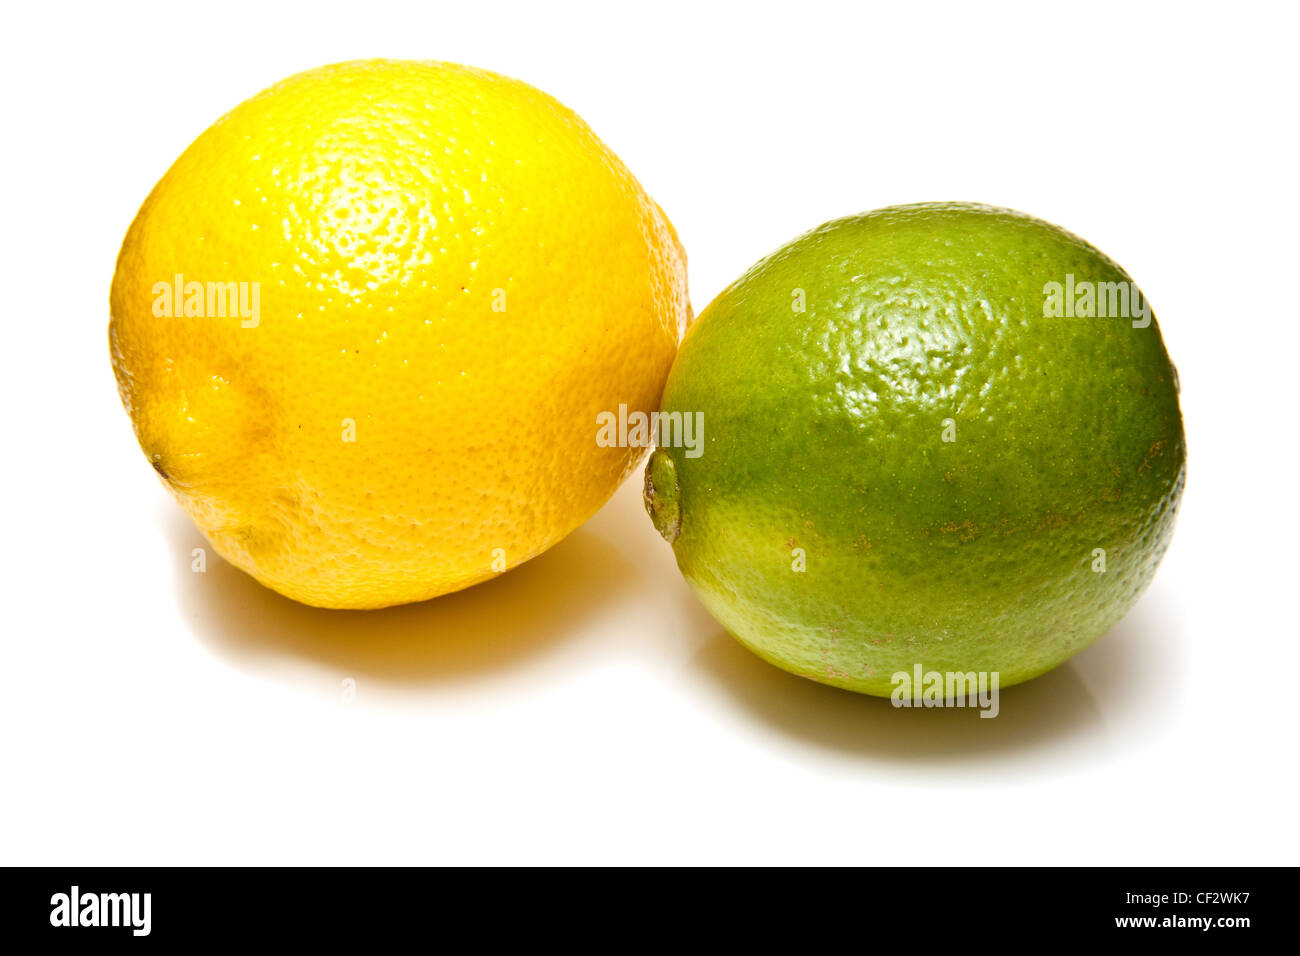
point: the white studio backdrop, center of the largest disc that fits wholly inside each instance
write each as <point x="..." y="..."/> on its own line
<point x="585" y="708"/>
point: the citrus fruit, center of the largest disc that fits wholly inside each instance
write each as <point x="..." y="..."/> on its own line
<point x="365" y="324"/>
<point x="922" y="447"/>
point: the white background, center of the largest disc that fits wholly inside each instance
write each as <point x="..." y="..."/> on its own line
<point x="585" y="708"/>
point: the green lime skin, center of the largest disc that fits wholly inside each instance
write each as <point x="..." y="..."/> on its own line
<point x="910" y="456"/>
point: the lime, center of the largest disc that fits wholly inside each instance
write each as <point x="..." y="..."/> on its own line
<point x="939" y="435"/>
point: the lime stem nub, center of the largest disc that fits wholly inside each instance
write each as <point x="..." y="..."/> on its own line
<point x="663" y="495"/>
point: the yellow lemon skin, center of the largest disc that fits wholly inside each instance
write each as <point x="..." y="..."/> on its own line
<point x="445" y="277"/>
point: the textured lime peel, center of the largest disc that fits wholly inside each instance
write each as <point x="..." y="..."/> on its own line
<point x="910" y="462"/>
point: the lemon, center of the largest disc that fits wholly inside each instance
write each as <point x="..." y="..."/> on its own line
<point x="365" y="324"/>
<point x="943" y="435"/>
